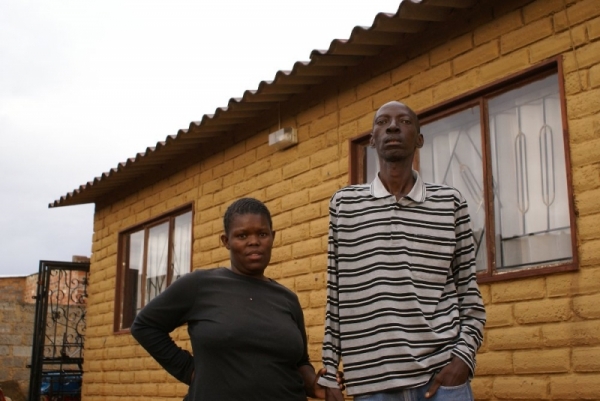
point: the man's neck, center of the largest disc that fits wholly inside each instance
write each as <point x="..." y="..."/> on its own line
<point x="397" y="178"/>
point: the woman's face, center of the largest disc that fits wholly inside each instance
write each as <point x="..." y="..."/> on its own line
<point x="249" y="240"/>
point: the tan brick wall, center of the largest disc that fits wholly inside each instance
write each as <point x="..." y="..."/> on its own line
<point x="17" y="311"/>
<point x="543" y="336"/>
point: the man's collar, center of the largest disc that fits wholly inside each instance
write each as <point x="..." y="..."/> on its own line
<point x="416" y="194"/>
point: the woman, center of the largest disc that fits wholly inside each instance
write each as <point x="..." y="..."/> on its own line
<point x="247" y="331"/>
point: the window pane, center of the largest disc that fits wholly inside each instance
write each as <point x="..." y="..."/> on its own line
<point x="132" y="297"/>
<point x="182" y="245"/>
<point x="528" y="163"/>
<point x="158" y="256"/>
<point x="451" y="155"/>
<point x="371" y="163"/>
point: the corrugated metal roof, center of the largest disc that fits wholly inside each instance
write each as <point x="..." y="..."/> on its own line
<point x="364" y="42"/>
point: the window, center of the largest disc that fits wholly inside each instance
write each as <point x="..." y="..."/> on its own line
<point x="505" y="149"/>
<point x="151" y="257"/>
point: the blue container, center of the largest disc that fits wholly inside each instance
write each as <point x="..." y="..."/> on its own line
<point x="58" y="383"/>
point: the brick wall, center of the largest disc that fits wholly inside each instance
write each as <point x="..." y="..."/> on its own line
<point x="542" y="338"/>
<point x="542" y="341"/>
<point x="17" y="312"/>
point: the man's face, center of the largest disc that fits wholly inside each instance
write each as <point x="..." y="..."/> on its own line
<point x="395" y="133"/>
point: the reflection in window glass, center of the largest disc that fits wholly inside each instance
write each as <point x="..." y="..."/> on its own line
<point x="451" y="155"/>
<point x="528" y="163"/>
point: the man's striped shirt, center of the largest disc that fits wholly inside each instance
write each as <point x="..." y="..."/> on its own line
<point x="402" y="292"/>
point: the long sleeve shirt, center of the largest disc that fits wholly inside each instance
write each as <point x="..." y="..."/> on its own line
<point x="402" y="292"/>
<point x="247" y="335"/>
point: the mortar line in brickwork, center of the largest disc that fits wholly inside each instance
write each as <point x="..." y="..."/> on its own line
<point x="573" y="45"/>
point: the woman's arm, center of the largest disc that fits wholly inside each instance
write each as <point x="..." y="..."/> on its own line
<point x="160" y="317"/>
<point x="313" y="388"/>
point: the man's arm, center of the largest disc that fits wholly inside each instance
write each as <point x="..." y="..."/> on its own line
<point x="470" y="304"/>
<point x="331" y="340"/>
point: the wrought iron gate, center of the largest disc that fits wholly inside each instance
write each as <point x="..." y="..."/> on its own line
<point x="59" y="331"/>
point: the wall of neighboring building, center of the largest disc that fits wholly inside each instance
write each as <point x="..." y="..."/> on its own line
<point x="17" y="311"/>
<point x="542" y="339"/>
<point x="17" y="316"/>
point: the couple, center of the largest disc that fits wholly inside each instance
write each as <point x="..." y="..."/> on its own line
<point x="403" y="306"/>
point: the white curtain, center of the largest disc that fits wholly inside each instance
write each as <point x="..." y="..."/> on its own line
<point x="157" y="260"/>
<point x="182" y="245"/>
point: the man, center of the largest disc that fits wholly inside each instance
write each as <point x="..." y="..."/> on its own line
<point x="403" y="305"/>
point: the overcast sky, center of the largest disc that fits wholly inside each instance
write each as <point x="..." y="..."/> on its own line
<point x="86" y="84"/>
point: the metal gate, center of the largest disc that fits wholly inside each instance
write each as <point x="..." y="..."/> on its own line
<point x="59" y="331"/>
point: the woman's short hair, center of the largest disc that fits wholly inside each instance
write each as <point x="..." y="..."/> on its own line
<point x="245" y="206"/>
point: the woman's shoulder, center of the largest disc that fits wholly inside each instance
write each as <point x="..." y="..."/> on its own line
<point x="203" y="274"/>
<point x="284" y="291"/>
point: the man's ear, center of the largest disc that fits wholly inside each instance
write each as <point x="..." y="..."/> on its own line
<point x="371" y="141"/>
<point x="420" y="140"/>
<point x="225" y="241"/>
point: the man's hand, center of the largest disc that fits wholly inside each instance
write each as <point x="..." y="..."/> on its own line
<point x="453" y="374"/>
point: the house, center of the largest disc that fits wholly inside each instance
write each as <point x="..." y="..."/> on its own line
<point x="508" y="93"/>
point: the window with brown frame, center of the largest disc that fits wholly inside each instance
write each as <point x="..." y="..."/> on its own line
<point x="505" y="148"/>
<point x="151" y="257"/>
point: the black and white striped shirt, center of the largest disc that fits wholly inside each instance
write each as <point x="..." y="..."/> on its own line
<point x="402" y="292"/>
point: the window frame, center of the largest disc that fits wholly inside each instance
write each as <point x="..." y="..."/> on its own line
<point x="479" y="98"/>
<point x="124" y="248"/>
